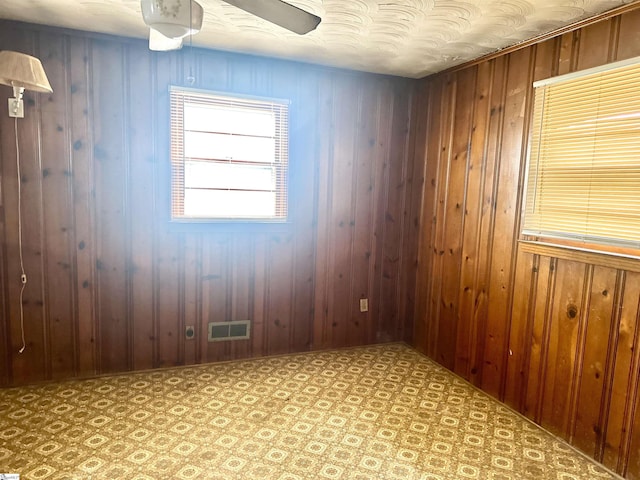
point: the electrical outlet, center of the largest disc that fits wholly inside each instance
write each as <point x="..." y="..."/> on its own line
<point x="364" y="304"/>
<point x="189" y="332"/>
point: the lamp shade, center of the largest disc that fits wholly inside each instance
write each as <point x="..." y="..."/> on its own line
<point x="22" y="70"/>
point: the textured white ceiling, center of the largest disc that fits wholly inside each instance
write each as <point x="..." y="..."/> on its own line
<point x="411" y="38"/>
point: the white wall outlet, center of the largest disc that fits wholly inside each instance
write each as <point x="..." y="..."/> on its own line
<point x="364" y="304"/>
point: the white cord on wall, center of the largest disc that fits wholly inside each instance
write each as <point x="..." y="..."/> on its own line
<point x="23" y="275"/>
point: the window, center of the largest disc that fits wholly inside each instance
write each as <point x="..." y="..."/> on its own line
<point x="583" y="178"/>
<point x="229" y="157"/>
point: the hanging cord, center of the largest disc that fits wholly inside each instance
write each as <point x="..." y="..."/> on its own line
<point x="190" y="79"/>
<point x="23" y="275"/>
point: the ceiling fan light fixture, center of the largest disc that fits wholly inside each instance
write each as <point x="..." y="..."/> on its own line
<point x="173" y="19"/>
<point x="160" y="43"/>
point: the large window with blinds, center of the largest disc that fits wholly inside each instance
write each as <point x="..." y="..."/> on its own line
<point x="229" y="157"/>
<point x="583" y="175"/>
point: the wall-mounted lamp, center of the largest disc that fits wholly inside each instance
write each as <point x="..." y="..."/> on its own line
<point x="21" y="71"/>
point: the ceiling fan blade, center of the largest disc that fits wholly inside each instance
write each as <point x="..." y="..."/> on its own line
<point x="281" y="13"/>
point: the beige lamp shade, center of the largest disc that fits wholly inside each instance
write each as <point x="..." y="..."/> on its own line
<point x="22" y="70"/>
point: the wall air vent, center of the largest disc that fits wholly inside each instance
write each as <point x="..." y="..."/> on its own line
<point x="222" y="331"/>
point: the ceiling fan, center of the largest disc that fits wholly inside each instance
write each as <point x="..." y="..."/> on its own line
<point x="170" y="21"/>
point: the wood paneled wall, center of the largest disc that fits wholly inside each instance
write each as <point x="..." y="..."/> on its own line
<point x="111" y="286"/>
<point x="555" y="338"/>
<point x="391" y="190"/>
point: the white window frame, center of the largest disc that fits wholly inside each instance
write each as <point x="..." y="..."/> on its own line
<point x="232" y="195"/>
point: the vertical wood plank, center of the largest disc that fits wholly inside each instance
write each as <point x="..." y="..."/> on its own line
<point x="241" y="294"/>
<point x="622" y="433"/>
<point x="481" y="288"/>
<point x="595" y="44"/>
<point x="521" y="330"/>
<point x="565" y="318"/>
<point x="454" y="207"/>
<point x="541" y="291"/>
<point x="5" y="366"/>
<point x="192" y="298"/>
<point x="346" y="107"/>
<point x="303" y="151"/>
<point x="364" y="208"/>
<point x="568" y="52"/>
<point x="321" y="326"/>
<point x="588" y="429"/>
<point x="422" y="324"/>
<point x="215" y="278"/>
<point x="110" y="198"/>
<point x="57" y="224"/>
<point x="168" y="244"/>
<point x="506" y="220"/>
<point x="415" y="186"/>
<point x="632" y="468"/>
<point x="467" y="334"/>
<point x="5" y="344"/>
<point x="142" y="204"/>
<point x="444" y="147"/>
<point x="628" y="36"/>
<point x="258" y="347"/>
<point x="391" y="325"/>
<point x="82" y="192"/>
<point x="280" y="289"/>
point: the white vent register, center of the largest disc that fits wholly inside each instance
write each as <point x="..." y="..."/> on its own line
<point x="224" y="331"/>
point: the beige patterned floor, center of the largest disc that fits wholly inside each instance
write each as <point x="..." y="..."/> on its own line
<point x="382" y="412"/>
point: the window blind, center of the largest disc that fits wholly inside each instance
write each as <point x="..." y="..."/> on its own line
<point x="229" y="157"/>
<point x="583" y="178"/>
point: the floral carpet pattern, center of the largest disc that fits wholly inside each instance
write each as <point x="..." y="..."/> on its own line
<point x="380" y="412"/>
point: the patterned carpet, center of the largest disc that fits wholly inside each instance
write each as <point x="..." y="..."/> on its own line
<point x="382" y="412"/>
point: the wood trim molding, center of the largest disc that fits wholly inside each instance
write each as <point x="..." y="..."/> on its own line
<point x="611" y="260"/>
